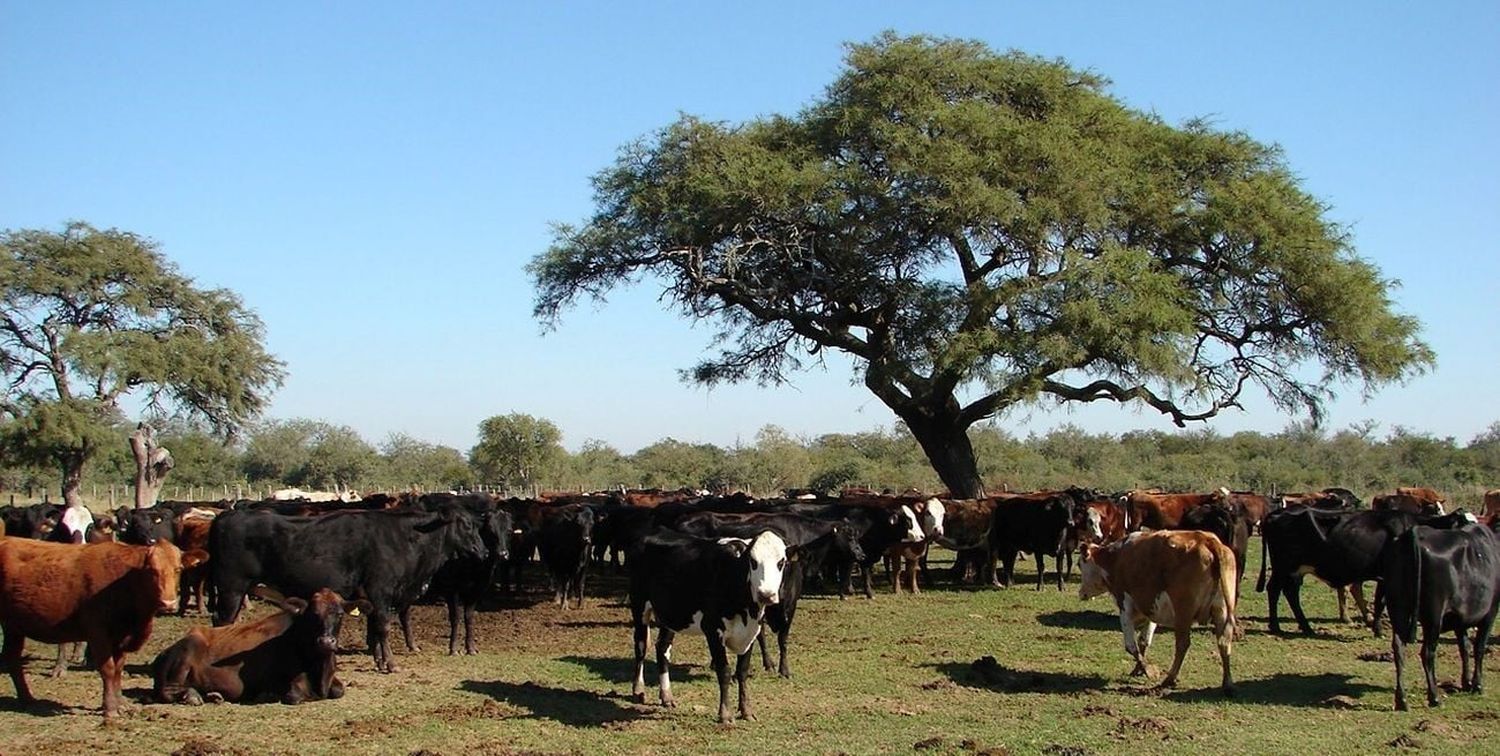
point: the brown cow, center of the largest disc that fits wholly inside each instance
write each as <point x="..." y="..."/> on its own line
<point x="1180" y="578"/>
<point x="289" y="656"/>
<point x="1099" y="522"/>
<point x="1423" y="494"/>
<point x="1252" y="505"/>
<point x="192" y="535"/>
<point x="107" y="594"/>
<point x="966" y="530"/>
<point x="1492" y="502"/>
<point x="1403" y="502"/>
<point x="1158" y="511"/>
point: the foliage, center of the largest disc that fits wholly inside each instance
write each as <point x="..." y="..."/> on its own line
<point x="89" y="318"/>
<point x="516" y="451"/>
<point x="308" y="454"/>
<point x="406" y="461"/>
<point x="996" y="226"/>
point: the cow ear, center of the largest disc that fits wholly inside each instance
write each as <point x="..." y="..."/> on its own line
<point x="194" y="558"/>
<point x="736" y="547"/>
<point x="294" y="605"/>
<point x="793" y="553"/>
<point x="353" y="608"/>
<point x="1088" y="553"/>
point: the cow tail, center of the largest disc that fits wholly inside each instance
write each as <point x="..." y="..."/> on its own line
<point x="1405" y="584"/>
<point x="1228" y="585"/>
<point x="1260" y="584"/>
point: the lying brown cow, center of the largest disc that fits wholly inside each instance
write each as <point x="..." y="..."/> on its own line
<point x="107" y="594"/>
<point x="288" y="656"/>
<point x="1178" y="578"/>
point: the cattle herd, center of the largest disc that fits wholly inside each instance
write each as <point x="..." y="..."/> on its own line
<point x="730" y="567"/>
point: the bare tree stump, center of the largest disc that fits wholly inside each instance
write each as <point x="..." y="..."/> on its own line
<point x="152" y="463"/>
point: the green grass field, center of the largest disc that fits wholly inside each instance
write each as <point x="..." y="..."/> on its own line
<point x="892" y="675"/>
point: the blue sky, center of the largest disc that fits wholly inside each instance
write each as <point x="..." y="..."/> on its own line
<point x="372" y="178"/>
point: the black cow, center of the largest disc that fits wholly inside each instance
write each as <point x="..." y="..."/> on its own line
<point x="563" y="543"/>
<point x="144" y="527"/>
<point x="813" y="540"/>
<point x="876" y="528"/>
<point x="1229" y="523"/>
<point x="720" y="586"/>
<point x="386" y="556"/>
<point x="1038" y="524"/>
<point x="1443" y="580"/>
<point x="462" y="581"/>
<point x="31" y="520"/>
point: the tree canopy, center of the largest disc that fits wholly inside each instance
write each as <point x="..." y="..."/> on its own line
<point x="516" y="450"/>
<point x="89" y="317"/>
<point x="982" y="230"/>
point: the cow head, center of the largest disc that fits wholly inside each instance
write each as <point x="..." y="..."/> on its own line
<point x="930" y="517"/>
<point x="1094" y="574"/>
<point x="163" y="562"/>
<point x="144" y="527"/>
<point x="768" y="556"/>
<point x="906" y="519"/>
<point x="1089" y="524"/>
<point x="846" y="543"/>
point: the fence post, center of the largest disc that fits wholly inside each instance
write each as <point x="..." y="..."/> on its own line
<point x="111" y="496"/>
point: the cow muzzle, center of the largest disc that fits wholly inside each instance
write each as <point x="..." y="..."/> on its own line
<point x="768" y="598"/>
<point x="328" y="644"/>
<point x="167" y="605"/>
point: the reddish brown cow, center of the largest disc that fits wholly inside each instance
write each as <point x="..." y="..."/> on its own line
<point x="966" y="530"/>
<point x="1105" y="516"/>
<point x="192" y="536"/>
<point x="107" y="594"/>
<point x="1252" y="505"/>
<point x="1423" y="494"/>
<point x="1164" y="511"/>
<point x="288" y="656"/>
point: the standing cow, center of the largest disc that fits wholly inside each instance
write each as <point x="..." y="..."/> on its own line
<point x="107" y="594"/>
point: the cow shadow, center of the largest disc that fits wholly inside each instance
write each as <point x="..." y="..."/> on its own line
<point x="575" y="708"/>
<point x="987" y="674"/>
<point x="1285" y="689"/>
<point x="37" y="708"/>
<point x="1080" y="620"/>
<point x="618" y="669"/>
<point x="593" y="623"/>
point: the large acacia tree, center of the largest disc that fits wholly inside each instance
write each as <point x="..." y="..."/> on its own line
<point x="89" y="318"/>
<point x="981" y="230"/>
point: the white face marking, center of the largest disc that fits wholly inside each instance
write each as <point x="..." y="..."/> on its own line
<point x="1470" y="517"/>
<point x="1096" y="528"/>
<point x="739" y="632"/>
<point x="932" y="518"/>
<point x="767" y="562"/>
<point x="1093" y="581"/>
<point x="1441" y="509"/>
<point x="913" y="527"/>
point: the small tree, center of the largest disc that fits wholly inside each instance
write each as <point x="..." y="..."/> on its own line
<point x="516" y="450"/>
<point x="978" y="231"/>
<point x="90" y="317"/>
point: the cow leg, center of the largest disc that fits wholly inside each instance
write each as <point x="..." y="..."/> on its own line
<point x="765" y="656"/>
<point x="471" y="646"/>
<point x="1398" y="655"/>
<point x="1481" y="643"/>
<point x="868" y="569"/>
<point x="1429" y="661"/>
<point x="890" y="569"/>
<point x="1058" y="557"/>
<point x="783" y="668"/>
<point x="1041" y="569"/>
<point x="742" y="676"/>
<point x="1131" y="636"/>
<point x="1357" y="590"/>
<point x="664" y="667"/>
<point x="377" y="636"/>
<point x="641" y="635"/>
<point x="109" y="676"/>
<point x="61" y="666"/>
<point x="1463" y="657"/>
<point x="1343" y="600"/>
<point x="912" y="566"/>
<point x="1379" y="608"/>
<point x="1224" y="637"/>
<point x="10" y="659"/>
<point x="452" y="601"/>
<point x="1183" y="635"/>
<point x="403" y="615"/>
<point x="1294" y="600"/>
<point x="582" y="574"/>
<point x="720" y="662"/>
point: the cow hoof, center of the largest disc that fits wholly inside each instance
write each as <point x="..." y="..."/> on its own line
<point x="191" y="698"/>
<point x="215" y="697"/>
<point x="747" y="716"/>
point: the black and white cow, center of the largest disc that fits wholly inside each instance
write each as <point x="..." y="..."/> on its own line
<point x="1443" y="580"/>
<point x="719" y="586"/>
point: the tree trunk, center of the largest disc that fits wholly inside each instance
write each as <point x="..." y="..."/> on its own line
<point x="152" y="463"/>
<point x="72" y="482"/>
<point x="947" y="447"/>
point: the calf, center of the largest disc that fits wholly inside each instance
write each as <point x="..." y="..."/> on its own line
<point x="289" y="656"/>
<point x="563" y="543"/>
<point x="107" y="594"/>
<point x="1443" y="580"/>
<point x="1181" y="578"/>
<point x="721" y="587"/>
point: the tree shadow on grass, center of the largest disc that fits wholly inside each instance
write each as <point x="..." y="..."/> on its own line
<point x="1285" y="689"/>
<point x="988" y="674"/>
<point x="618" y="669"/>
<point x="576" y="708"/>
<point x="1081" y="620"/>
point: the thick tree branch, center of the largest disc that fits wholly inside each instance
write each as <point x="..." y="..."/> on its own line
<point x="1109" y="390"/>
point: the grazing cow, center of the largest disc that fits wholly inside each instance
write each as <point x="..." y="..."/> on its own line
<point x="721" y="587"/>
<point x="1160" y="511"/>
<point x="1443" y="580"/>
<point x="1405" y="502"/>
<point x="563" y="543"/>
<point x="1229" y="524"/>
<point x="1177" y="578"/>
<point x="1036" y="523"/>
<point x="289" y="656"/>
<point x="386" y="556"/>
<point x="107" y="594"/>
<point x="462" y="581"/>
<point x="812" y="539"/>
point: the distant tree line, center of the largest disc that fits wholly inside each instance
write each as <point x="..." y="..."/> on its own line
<point x="523" y="455"/>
